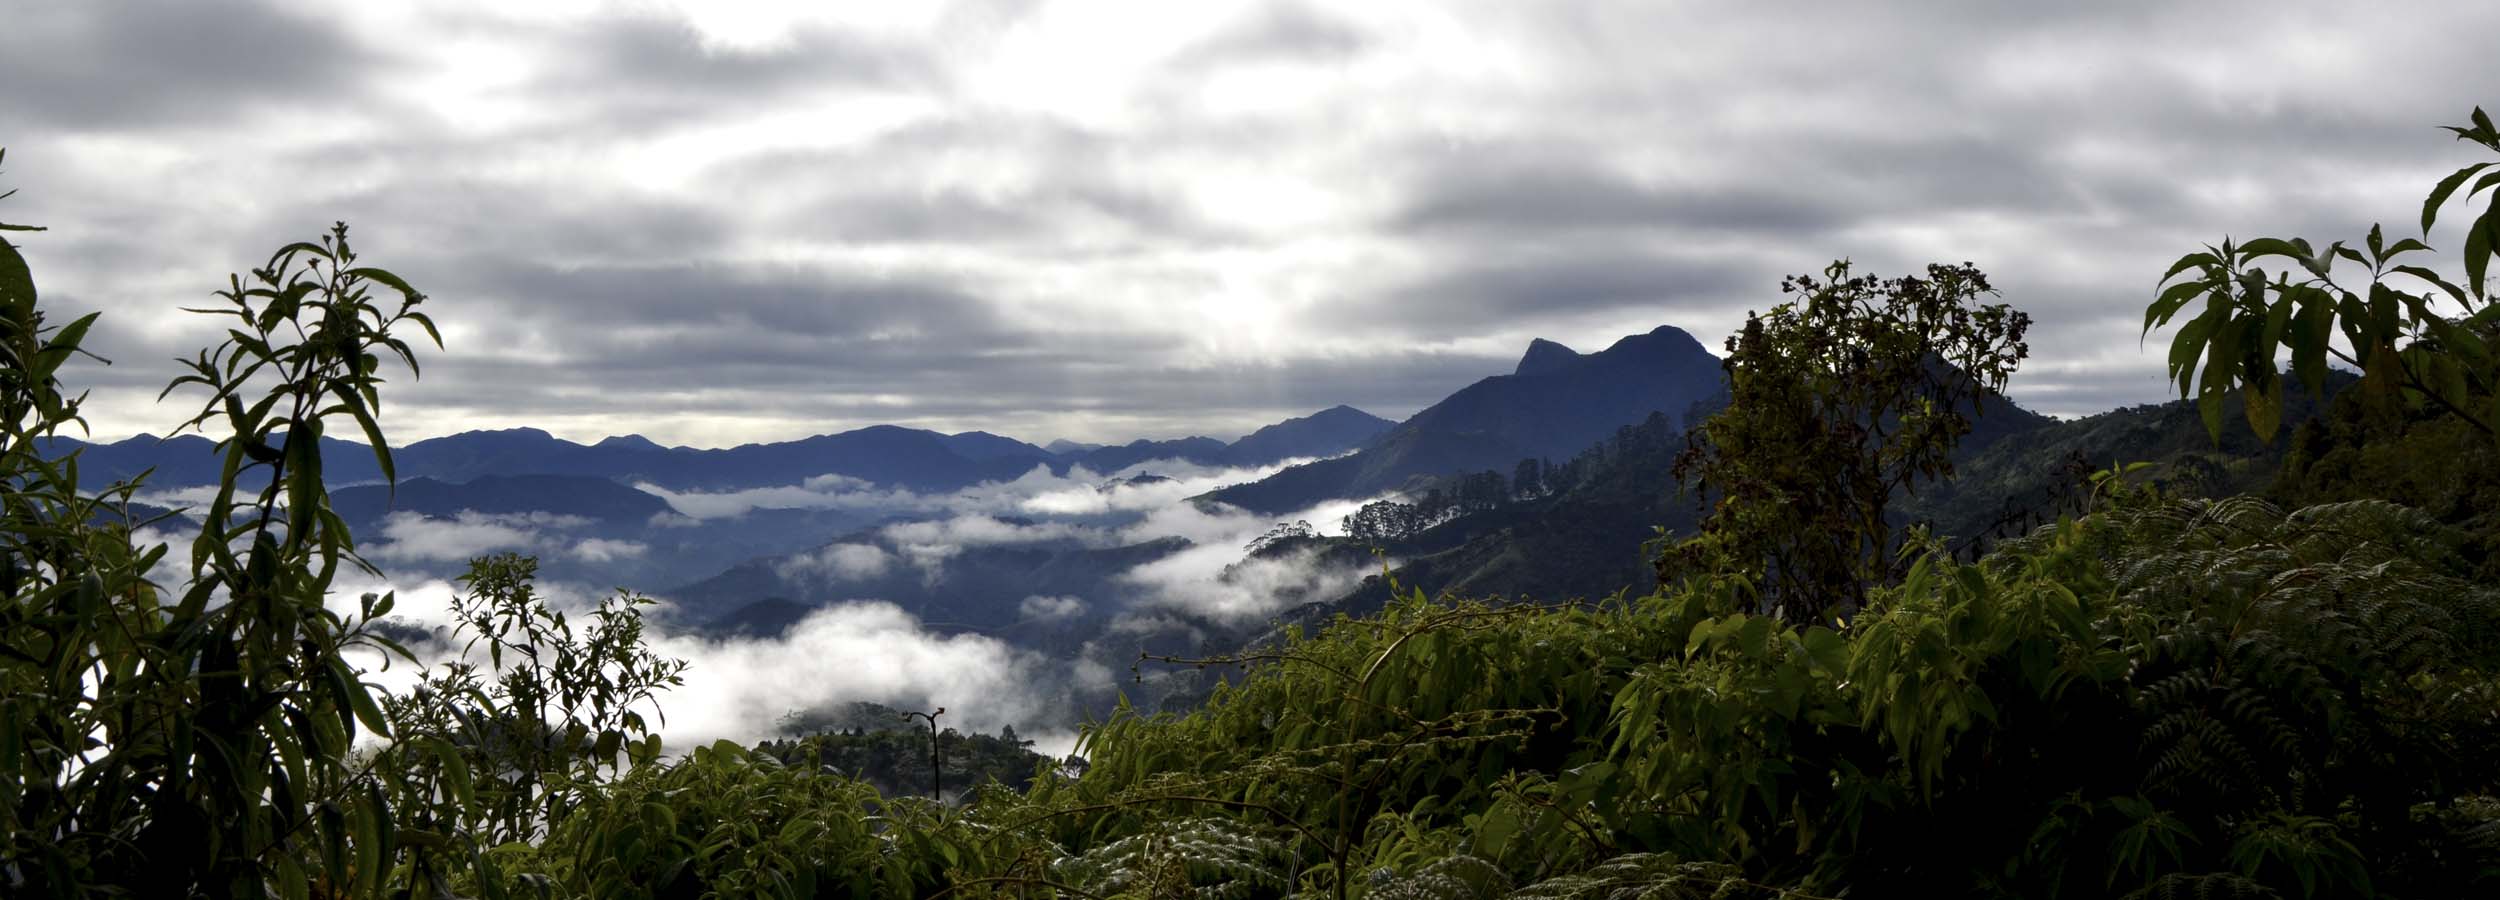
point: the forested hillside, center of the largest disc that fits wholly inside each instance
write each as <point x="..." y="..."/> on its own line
<point x="2243" y="646"/>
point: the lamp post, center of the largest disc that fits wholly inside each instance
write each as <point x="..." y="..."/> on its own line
<point x="937" y="776"/>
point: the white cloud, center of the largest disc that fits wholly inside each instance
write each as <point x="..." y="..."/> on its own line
<point x="1241" y="590"/>
<point x="739" y="689"/>
<point x="416" y="538"/>
<point x="820" y="492"/>
<point x="413" y="537"/>
<point x="981" y="530"/>
<point x="851" y="652"/>
<point x="928" y="545"/>
<point x="607" y="550"/>
<point x="1039" y="606"/>
<point x="1212" y="579"/>
<point x="837" y="562"/>
<point x="834" y="483"/>
<point x="1160" y="221"/>
<point x="194" y="497"/>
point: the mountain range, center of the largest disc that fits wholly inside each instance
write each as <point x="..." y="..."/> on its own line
<point x="609" y="512"/>
<point x="886" y="455"/>
<point x="1554" y="404"/>
<point x="1564" y="464"/>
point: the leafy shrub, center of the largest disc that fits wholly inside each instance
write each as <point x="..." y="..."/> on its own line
<point x="196" y="739"/>
<point x="2392" y="324"/>
<point x="1839" y="403"/>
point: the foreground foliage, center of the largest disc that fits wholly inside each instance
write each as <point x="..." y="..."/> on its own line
<point x="1840" y="403"/>
<point x="2395" y="323"/>
<point x="2158" y="697"/>
<point x="195" y="739"/>
<point x="2164" y="697"/>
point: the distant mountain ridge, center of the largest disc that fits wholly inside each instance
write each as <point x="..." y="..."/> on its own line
<point x="1328" y="432"/>
<point x="1555" y="403"/>
<point x="1324" y="433"/>
<point x="889" y="455"/>
<point x="597" y="499"/>
<point x="2015" y="471"/>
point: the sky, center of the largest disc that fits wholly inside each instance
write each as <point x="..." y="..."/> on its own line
<point x="726" y="222"/>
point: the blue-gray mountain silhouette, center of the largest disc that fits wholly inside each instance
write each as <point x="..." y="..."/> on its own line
<point x="1556" y="403"/>
<point x="887" y="455"/>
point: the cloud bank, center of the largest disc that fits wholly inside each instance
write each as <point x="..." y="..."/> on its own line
<point x="1104" y="222"/>
<point x="418" y="539"/>
<point x="863" y="648"/>
<point x="739" y="689"/>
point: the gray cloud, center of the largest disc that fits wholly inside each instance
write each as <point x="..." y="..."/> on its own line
<point x="1279" y="34"/>
<point x="1053" y="219"/>
<point x="156" y="66"/>
<point x="1542" y="191"/>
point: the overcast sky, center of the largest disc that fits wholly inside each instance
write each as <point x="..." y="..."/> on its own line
<point x="1099" y="221"/>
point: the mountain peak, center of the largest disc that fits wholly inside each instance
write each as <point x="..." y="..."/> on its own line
<point x="1546" y="357"/>
<point x="1664" y="340"/>
<point x="1342" y="413"/>
<point x="982" y="445"/>
<point x="627" y="442"/>
<point x="1327" y="432"/>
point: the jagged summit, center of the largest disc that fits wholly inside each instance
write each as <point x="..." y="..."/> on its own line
<point x="1556" y="404"/>
<point x="1546" y="357"/>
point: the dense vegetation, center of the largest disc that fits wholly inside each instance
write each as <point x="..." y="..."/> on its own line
<point x="2152" y="696"/>
<point x="878" y="744"/>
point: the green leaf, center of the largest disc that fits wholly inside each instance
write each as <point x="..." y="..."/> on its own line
<point x="2189" y="344"/>
<point x="385" y="277"/>
<point x="1827" y="648"/>
<point x="359" y="699"/>
<point x="426" y="322"/>
<point x="2405" y="246"/>
<point x="63" y="343"/>
<point x="17" y="283"/>
<point x="455" y="770"/>
<point x="2447" y="186"/>
<point x="2454" y="292"/>
<point x="2478" y="252"/>
<point x="2446" y="377"/>
<point x="2311" y="340"/>
<point x="2168" y="304"/>
<point x="2262" y="399"/>
<point x="2190" y="261"/>
<point x="2277" y="319"/>
<point x="2478" y="247"/>
<point x="373" y="432"/>
<point x="2263" y="247"/>
<point x="1493" y="831"/>
<point x="303" y="478"/>
<point x="2485" y="183"/>
<point x="2209" y="392"/>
